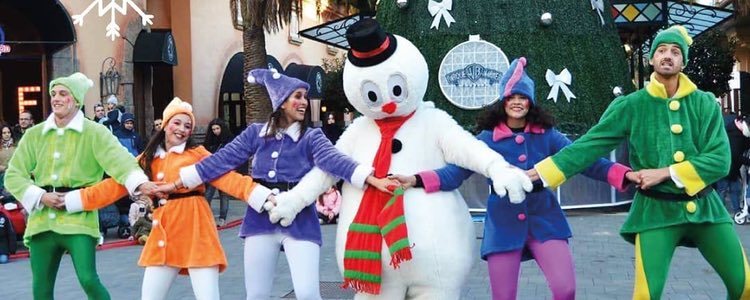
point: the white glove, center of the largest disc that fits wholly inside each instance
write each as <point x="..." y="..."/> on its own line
<point x="507" y="179"/>
<point x="288" y="205"/>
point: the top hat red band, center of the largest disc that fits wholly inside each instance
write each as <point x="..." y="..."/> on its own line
<point x="373" y="52"/>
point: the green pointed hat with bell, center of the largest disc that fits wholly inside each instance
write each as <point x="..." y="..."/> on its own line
<point x="676" y="34"/>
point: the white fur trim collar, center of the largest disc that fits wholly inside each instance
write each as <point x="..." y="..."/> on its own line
<point x="176" y="149"/>
<point x="293" y="131"/>
<point x="75" y="124"/>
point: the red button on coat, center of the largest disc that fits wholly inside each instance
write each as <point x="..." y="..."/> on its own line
<point x="522" y="158"/>
<point x="521" y="216"/>
<point x="519" y="139"/>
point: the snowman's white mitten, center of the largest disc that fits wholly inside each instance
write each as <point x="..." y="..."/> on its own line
<point x="507" y="179"/>
<point x="288" y="205"/>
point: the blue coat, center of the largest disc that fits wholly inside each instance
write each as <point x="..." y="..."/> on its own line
<point x="280" y="158"/>
<point x="508" y="225"/>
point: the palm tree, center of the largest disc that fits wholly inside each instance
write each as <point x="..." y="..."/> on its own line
<point x="257" y="18"/>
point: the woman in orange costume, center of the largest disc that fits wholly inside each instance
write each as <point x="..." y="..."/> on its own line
<point x="184" y="239"/>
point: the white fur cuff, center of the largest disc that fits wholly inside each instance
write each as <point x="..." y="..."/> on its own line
<point x="190" y="178"/>
<point x="134" y="180"/>
<point x="32" y="198"/>
<point x="73" y="201"/>
<point x="359" y="177"/>
<point x="258" y="196"/>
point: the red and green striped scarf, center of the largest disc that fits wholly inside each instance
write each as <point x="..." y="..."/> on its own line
<point x="380" y="216"/>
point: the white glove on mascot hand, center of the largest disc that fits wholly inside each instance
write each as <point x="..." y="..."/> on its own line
<point x="507" y="179"/>
<point x="288" y="205"/>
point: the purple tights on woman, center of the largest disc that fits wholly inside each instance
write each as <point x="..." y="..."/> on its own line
<point x="552" y="256"/>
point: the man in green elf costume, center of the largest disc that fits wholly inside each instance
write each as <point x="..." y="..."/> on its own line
<point x="678" y="148"/>
<point x="66" y="152"/>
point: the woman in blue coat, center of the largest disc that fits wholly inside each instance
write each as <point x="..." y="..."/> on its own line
<point x="523" y="133"/>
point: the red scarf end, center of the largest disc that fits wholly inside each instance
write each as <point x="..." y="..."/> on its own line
<point x="361" y="286"/>
<point x="400" y="256"/>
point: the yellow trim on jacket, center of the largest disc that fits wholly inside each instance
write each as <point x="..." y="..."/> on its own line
<point x="684" y="88"/>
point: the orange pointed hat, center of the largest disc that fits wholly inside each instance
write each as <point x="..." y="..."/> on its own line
<point x="177" y="106"/>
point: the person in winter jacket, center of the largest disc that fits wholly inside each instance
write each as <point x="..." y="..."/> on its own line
<point x="128" y="137"/>
<point x="7" y="238"/>
<point x="328" y="206"/>
<point x="218" y="136"/>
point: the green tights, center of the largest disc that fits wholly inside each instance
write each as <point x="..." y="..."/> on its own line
<point x="46" y="250"/>
<point x="718" y="243"/>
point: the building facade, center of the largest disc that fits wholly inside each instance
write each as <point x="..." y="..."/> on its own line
<point x="187" y="52"/>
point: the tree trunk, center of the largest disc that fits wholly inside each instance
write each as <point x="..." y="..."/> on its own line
<point x="254" y="53"/>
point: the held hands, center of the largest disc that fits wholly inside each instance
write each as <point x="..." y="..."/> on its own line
<point x="510" y="180"/>
<point x="163" y="189"/>
<point x="386" y="185"/>
<point x="270" y="202"/>
<point x="647" y="178"/>
<point x="407" y="181"/>
<point x="288" y="205"/>
<point x="533" y="175"/>
<point x="54" y="200"/>
<point x="151" y="189"/>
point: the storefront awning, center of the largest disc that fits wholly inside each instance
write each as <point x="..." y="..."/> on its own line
<point x="155" y="47"/>
<point x="234" y="78"/>
<point x="42" y="22"/>
<point x="313" y="75"/>
<point x="632" y="15"/>
<point x="334" y="32"/>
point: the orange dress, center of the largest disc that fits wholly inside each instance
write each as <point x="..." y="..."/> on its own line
<point x="184" y="233"/>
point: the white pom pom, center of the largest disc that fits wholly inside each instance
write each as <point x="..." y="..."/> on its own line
<point x="276" y="75"/>
<point x="186" y="106"/>
<point x="250" y="79"/>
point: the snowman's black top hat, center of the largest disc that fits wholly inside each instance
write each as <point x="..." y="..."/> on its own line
<point x="370" y="44"/>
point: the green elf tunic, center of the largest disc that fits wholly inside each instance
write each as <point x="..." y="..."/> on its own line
<point x="685" y="133"/>
<point x="74" y="156"/>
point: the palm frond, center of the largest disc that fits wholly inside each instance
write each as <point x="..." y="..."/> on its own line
<point x="272" y="15"/>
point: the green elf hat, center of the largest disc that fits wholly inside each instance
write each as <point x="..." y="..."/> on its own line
<point x="673" y="35"/>
<point x="78" y="84"/>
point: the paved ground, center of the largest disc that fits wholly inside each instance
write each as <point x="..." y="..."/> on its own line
<point x="604" y="268"/>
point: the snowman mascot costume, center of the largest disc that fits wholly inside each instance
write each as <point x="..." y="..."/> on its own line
<point x="410" y="244"/>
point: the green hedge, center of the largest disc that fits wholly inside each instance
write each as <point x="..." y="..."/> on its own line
<point x="575" y="40"/>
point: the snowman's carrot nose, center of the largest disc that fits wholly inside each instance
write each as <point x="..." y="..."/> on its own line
<point x="389" y="108"/>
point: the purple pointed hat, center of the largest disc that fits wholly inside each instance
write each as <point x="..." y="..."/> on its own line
<point x="279" y="86"/>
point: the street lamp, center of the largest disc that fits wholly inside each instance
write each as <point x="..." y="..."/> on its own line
<point x="109" y="80"/>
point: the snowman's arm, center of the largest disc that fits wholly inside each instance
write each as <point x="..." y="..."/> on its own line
<point x="462" y="149"/>
<point x="312" y="185"/>
<point x="346" y="141"/>
<point x="317" y="181"/>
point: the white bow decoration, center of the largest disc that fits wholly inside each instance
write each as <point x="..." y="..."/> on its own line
<point x="440" y="10"/>
<point x="598" y="5"/>
<point x="559" y="82"/>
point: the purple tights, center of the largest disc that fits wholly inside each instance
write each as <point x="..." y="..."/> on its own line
<point x="552" y="256"/>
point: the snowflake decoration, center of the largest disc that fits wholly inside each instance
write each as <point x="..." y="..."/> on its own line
<point x="113" y="30"/>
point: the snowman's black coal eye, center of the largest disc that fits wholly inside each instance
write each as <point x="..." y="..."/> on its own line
<point x="397" y="87"/>
<point x="371" y="93"/>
